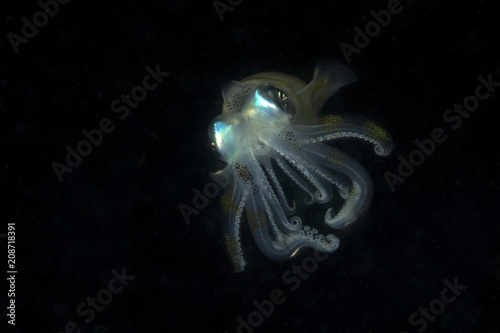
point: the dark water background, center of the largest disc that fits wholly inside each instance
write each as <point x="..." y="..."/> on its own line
<point x="119" y="208"/>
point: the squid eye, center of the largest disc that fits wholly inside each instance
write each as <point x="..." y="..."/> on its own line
<point x="281" y="99"/>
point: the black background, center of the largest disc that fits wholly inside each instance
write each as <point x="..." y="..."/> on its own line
<point x="119" y="208"/>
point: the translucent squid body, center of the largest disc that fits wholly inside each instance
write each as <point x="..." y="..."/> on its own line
<point x="270" y="122"/>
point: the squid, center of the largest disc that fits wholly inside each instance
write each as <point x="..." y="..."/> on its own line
<point x="270" y="126"/>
